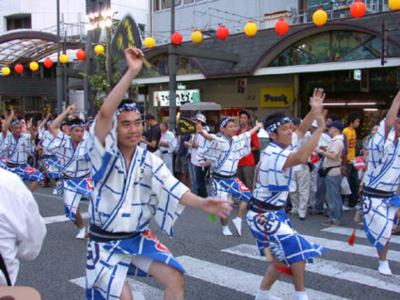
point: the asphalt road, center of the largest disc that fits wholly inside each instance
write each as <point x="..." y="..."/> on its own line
<point x="217" y="267"/>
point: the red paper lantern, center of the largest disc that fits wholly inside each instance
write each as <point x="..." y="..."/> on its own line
<point x="358" y="9"/>
<point x="281" y="27"/>
<point x="176" y="38"/>
<point x="80" y="54"/>
<point x="19" y="68"/>
<point x="48" y="63"/>
<point x="222" y="32"/>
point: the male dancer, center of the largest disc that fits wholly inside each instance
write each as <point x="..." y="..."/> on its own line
<point x="224" y="152"/>
<point x="132" y="186"/>
<point x="266" y="216"/>
<point x="16" y="148"/>
<point x="381" y="205"/>
<point x="71" y="153"/>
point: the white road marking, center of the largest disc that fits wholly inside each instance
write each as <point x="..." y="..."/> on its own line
<point x="333" y="269"/>
<point x="356" y="249"/>
<point x="61" y="218"/>
<point x="359" y="233"/>
<point x="141" y="291"/>
<point x="241" y="281"/>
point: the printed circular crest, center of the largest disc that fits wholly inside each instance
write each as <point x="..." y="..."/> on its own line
<point x="93" y="256"/>
<point x="366" y="206"/>
<point x="268" y="225"/>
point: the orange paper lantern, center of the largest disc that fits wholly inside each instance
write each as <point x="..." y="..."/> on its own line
<point x="222" y="32"/>
<point x="80" y="54"/>
<point x="281" y="27"/>
<point x="320" y="17"/>
<point x="48" y="63"/>
<point x="394" y="4"/>
<point x="99" y="49"/>
<point x="149" y="42"/>
<point x="176" y="38"/>
<point x="358" y="9"/>
<point x="250" y="29"/>
<point x="63" y="58"/>
<point x="6" y="71"/>
<point x="197" y="37"/>
<point x="19" y="69"/>
<point x="34" y="66"/>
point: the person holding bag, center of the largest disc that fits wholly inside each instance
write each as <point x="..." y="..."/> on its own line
<point x="330" y="171"/>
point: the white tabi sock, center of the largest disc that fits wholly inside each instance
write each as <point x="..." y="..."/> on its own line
<point x="300" y="295"/>
<point x="265" y="295"/>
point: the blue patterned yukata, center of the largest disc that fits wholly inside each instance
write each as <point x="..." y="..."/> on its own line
<point x="267" y="218"/>
<point x="75" y="170"/>
<point x="224" y="154"/>
<point x="381" y="182"/>
<point x="123" y="202"/>
<point x="15" y="153"/>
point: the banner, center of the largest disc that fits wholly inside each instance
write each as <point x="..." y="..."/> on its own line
<point x="276" y="97"/>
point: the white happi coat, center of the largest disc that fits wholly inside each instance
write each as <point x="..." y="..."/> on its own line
<point x="126" y="198"/>
<point x="22" y="229"/>
<point x="17" y="151"/>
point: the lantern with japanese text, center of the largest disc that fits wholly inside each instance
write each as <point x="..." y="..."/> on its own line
<point x="99" y="49"/>
<point x="281" y="27"/>
<point x="197" y="37"/>
<point x="6" y="71"/>
<point x="320" y="17"/>
<point x="176" y="38"/>
<point x="81" y="54"/>
<point x="250" y="29"/>
<point x="63" y="58"/>
<point x="222" y="32"/>
<point x="358" y="9"/>
<point x="19" y="69"/>
<point x="34" y="66"/>
<point x="48" y="63"/>
<point x="394" y="4"/>
<point x="149" y="42"/>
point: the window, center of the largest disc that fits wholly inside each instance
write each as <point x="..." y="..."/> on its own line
<point x="19" y="21"/>
<point x="156" y="5"/>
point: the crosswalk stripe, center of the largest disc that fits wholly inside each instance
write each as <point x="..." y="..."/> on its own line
<point x="241" y="281"/>
<point x="61" y="218"/>
<point x="359" y="233"/>
<point x="333" y="269"/>
<point x="356" y="249"/>
<point x="141" y="291"/>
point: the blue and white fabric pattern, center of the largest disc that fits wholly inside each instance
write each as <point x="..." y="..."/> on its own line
<point x="73" y="190"/>
<point x="383" y="171"/>
<point x="272" y="181"/>
<point x="74" y="160"/>
<point x="225" y="188"/>
<point x="224" y="153"/>
<point x="17" y="151"/>
<point x="26" y="172"/>
<point x="274" y="231"/>
<point x="379" y="217"/>
<point x="109" y="263"/>
<point x="125" y="198"/>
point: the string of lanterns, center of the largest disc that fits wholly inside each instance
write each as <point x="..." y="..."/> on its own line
<point x="320" y="17"/>
<point x="48" y="62"/>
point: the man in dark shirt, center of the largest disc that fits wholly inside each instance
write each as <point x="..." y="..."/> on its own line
<point x="153" y="134"/>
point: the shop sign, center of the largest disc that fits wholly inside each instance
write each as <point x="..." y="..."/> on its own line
<point x="161" y="98"/>
<point x="276" y="97"/>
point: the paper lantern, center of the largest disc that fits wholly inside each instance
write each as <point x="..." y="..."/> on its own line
<point x="63" y="58"/>
<point x="250" y="29"/>
<point x="320" y="17"/>
<point x="358" y="9"/>
<point x="222" y="32"/>
<point x="149" y="42"/>
<point x="48" y="63"/>
<point x="394" y="4"/>
<point x="81" y="54"/>
<point x="19" y="69"/>
<point x="281" y="27"/>
<point x="176" y="38"/>
<point x="34" y="66"/>
<point x="6" y="71"/>
<point x="99" y="49"/>
<point x="197" y="37"/>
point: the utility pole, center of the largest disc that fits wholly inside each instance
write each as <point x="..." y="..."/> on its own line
<point x="59" y="71"/>
<point x="172" y="73"/>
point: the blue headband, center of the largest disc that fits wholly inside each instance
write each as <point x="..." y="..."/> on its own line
<point x="76" y="125"/>
<point x="225" y="122"/>
<point x="274" y="126"/>
<point x="127" y="107"/>
<point x="16" y="122"/>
